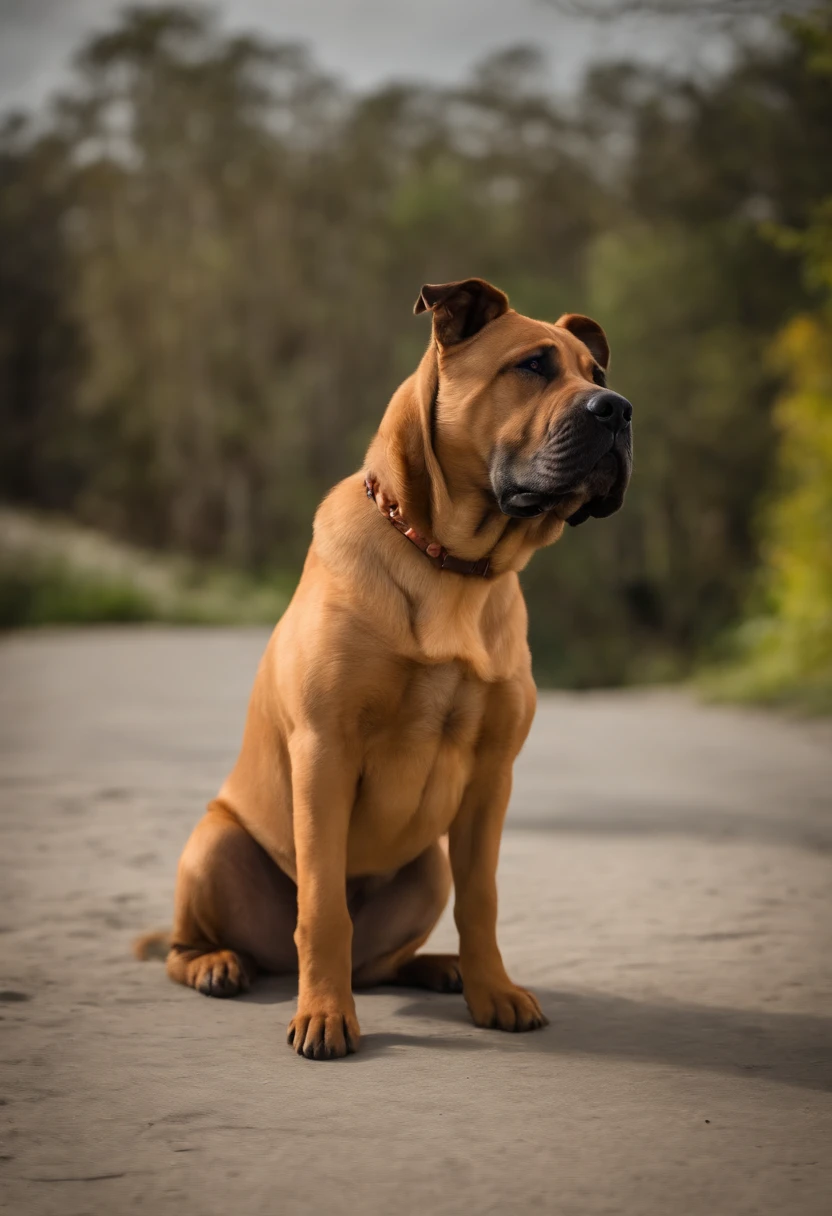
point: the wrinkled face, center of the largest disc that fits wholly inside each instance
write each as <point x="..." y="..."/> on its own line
<point x="531" y="397"/>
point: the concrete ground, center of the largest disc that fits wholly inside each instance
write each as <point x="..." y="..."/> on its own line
<point x="666" y="888"/>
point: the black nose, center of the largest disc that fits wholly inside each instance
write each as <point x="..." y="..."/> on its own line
<point x="612" y="410"/>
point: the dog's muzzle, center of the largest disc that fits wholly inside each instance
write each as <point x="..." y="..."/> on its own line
<point x="584" y="469"/>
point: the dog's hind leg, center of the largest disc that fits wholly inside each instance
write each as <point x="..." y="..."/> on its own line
<point x="211" y="972"/>
<point x="234" y="911"/>
<point x="437" y="972"/>
<point x="392" y="922"/>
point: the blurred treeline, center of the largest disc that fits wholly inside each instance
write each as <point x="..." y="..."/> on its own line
<point x="783" y="651"/>
<point x="209" y="252"/>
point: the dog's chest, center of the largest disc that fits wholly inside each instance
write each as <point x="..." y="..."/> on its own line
<point x="418" y="758"/>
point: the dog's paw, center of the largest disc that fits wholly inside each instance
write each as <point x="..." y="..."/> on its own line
<point x="222" y="974"/>
<point x="324" y="1035"/>
<point x="506" y="1008"/>
<point x="436" y="972"/>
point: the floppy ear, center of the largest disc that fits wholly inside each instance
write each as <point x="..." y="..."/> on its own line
<point x="590" y="333"/>
<point x="461" y="309"/>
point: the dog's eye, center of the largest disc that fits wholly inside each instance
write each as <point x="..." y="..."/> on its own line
<point x="541" y="363"/>
<point x="599" y="376"/>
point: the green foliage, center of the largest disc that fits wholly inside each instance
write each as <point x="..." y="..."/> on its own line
<point x="785" y="649"/>
<point x="59" y="574"/>
<point x="45" y="594"/>
<point x="210" y="254"/>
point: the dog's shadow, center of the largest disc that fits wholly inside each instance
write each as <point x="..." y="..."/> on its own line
<point x="790" y="1048"/>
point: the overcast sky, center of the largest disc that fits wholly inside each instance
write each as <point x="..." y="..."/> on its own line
<point x="365" y="42"/>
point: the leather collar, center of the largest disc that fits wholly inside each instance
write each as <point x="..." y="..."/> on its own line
<point x="436" y="553"/>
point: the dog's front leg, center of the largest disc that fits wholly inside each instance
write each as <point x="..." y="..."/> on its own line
<point x="323" y="789"/>
<point x="474" y="838"/>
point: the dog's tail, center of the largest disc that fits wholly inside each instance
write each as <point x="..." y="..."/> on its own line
<point x="152" y="945"/>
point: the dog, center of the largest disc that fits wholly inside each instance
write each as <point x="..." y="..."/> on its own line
<point x="396" y="691"/>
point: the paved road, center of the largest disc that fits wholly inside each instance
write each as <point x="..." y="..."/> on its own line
<point x="665" y="887"/>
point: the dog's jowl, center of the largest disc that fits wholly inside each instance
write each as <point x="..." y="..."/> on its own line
<point x="396" y="692"/>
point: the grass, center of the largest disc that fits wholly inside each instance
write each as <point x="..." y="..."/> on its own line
<point x="745" y="684"/>
<point x="765" y="665"/>
<point x="53" y="572"/>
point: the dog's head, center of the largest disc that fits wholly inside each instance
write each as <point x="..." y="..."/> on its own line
<point x="529" y="400"/>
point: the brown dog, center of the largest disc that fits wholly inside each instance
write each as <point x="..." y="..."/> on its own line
<point x="396" y="691"/>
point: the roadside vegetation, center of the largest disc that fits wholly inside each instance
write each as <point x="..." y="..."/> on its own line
<point x="54" y="572"/>
<point x="782" y="653"/>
